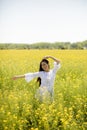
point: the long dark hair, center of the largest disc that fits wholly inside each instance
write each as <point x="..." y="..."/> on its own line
<point x="41" y="69"/>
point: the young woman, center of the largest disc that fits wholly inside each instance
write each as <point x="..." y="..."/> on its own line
<point x="45" y="76"/>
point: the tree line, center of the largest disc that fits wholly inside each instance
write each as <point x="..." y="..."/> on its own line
<point x="45" y="45"/>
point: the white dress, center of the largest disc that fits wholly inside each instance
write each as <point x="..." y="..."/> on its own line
<point x="47" y="79"/>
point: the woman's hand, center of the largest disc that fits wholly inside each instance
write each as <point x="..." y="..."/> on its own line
<point x="46" y="57"/>
<point x="55" y="59"/>
<point x="15" y="77"/>
<point x="19" y="76"/>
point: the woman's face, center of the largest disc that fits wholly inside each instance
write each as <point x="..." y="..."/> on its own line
<point x="45" y="66"/>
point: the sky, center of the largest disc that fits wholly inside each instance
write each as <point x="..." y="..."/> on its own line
<point x="32" y="21"/>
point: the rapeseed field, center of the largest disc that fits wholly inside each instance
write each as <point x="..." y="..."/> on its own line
<point x="20" y="110"/>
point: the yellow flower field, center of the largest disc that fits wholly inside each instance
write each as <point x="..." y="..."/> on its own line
<point x="19" y="110"/>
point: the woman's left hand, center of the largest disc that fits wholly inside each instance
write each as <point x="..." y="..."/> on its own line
<point x="46" y="57"/>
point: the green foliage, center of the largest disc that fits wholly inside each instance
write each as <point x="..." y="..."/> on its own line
<point x="45" y="45"/>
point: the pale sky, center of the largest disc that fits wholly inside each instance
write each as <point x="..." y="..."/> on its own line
<point x="31" y="21"/>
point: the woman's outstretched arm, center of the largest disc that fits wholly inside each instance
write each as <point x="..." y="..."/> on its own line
<point x="18" y="77"/>
<point x="55" y="59"/>
<point x="28" y="76"/>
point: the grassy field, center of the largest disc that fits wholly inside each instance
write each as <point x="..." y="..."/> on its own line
<point x="19" y="110"/>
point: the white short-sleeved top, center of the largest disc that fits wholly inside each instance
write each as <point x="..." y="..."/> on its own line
<point x="47" y="78"/>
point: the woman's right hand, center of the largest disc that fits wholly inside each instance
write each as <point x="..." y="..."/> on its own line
<point x="15" y="77"/>
<point x="19" y="76"/>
